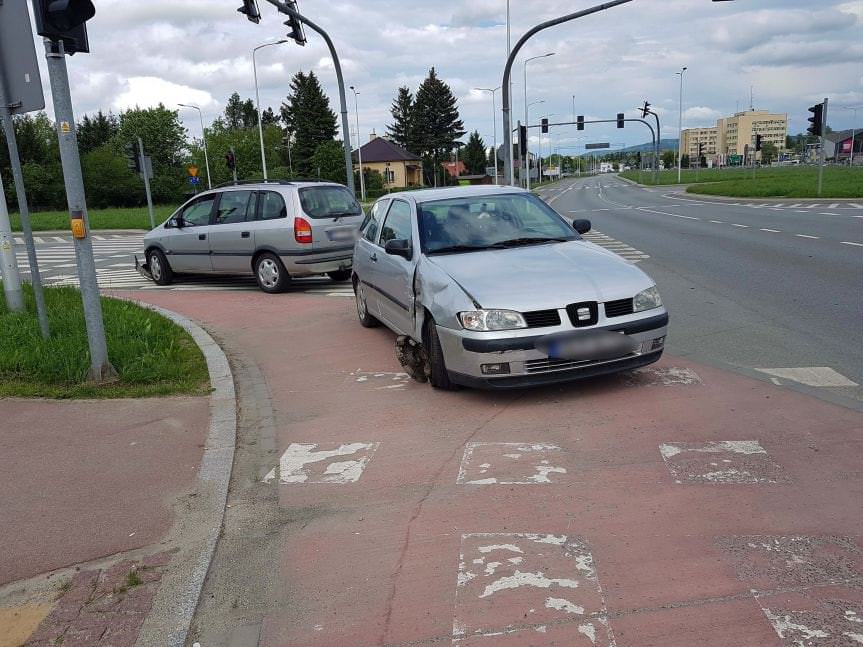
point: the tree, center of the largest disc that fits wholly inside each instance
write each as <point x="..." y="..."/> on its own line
<point x="474" y="156"/>
<point x="239" y="113"/>
<point x="160" y="129"/>
<point x="270" y="118"/>
<point x="669" y="159"/>
<point x="308" y="117"/>
<point x="436" y="124"/>
<point x="768" y="152"/>
<point x="401" y="130"/>
<point x="328" y="161"/>
<point x="109" y="181"/>
<point x="96" y="132"/>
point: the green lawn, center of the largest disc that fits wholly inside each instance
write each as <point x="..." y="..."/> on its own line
<point x="769" y="182"/>
<point x="153" y="355"/>
<point x="114" y="218"/>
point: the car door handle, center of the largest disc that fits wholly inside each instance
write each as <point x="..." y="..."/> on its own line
<point x="373" y="257"/>
<point x="202" y="236"/>
<point x="244" y="234"/>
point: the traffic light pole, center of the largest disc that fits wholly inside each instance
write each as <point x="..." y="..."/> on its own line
<point x="146" y="175"/>
<point x="234" y="165"/>
<point x="100" y="368"/>
<point x="821" y="156"/>
<point x="8" y="262"/>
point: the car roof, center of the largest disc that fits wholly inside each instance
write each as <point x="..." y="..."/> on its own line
<point x="444" y="193"/>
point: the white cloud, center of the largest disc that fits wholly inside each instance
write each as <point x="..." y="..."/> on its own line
<point x="151" y="90"/>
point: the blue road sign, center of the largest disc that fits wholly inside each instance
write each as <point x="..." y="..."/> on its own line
<point x="194" y="180"/>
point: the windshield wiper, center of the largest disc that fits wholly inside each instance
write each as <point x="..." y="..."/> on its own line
<point x="517" y="242"/>
<point x="463" y="248"/>
<point x="339" y="214"/>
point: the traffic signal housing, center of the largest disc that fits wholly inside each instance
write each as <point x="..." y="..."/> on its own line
<point x="817" y="127"/>
<point x="522" y="140"/>
<point x="544" y="124"/>
<point x="758" y="139"/>
<point x="620" y="118"/>
<point x="133" y="159"/>
<point x="294" y="25"/>
<point x="645" y="110"/>
<point x="231" y="160"/>
<point x="64" y="21"/>
<point x="579" y="122"/>
<point x="250" y="9"/>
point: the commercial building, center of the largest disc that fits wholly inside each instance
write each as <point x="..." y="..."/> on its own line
<point x="732" y="135"/>
<point x="707" y="137"/>
<point x="399" y="167"/>
<point x="837" y="145"/>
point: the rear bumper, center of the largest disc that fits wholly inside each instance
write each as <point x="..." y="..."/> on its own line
<point x="317" y="263"/>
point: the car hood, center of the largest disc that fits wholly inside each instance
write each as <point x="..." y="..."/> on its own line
<point x="543" y="276"/>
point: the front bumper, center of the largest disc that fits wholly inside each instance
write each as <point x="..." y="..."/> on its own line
<point x="466" y="353"/>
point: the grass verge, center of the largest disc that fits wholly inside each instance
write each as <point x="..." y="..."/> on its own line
<point x="154" y="356"/>
<point x="769" y="182"/>
<point x="114" y="218"/>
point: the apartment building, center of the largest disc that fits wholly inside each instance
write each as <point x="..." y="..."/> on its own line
<point x="708" y="137"/>
<point x="732" y="134"/>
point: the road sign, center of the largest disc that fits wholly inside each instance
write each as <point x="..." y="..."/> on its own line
<point x="18" y="64"/>
<point x="193" y="170"/>
<point x="597" y="145"/>
<point x="194" y="179"/>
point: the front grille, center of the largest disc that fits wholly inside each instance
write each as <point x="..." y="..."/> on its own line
<point x="541" y="318"/>
<point x="551" y="365"/>
<point x="592" y="313"/>
<point x="618" y="308"/>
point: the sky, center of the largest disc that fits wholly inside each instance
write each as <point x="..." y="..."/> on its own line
<point x="789" y="54"/>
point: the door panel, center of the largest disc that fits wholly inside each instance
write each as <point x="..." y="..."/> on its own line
<point x="232" y="240"/>
<point x="190" y="244"/>
<point x="367" y="254"/>
<point x="394" y="274"/>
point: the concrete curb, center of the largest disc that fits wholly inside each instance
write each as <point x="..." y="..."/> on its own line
<point x="178" y="596"/>
<point x="93" y="232"/>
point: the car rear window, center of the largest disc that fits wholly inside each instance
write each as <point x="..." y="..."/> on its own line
<point x="329" y="202"/>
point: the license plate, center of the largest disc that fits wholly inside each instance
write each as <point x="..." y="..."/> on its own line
<point x="342" y="235"/>
<point x="596" y="345"/>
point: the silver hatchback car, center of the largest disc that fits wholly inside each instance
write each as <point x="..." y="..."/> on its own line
<point x="273" y="230"/>
<point x="490" y="287"/>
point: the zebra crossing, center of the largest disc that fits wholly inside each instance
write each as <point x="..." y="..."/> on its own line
<point x="627" y="252"/>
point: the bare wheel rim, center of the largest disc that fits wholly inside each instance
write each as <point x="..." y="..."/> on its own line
<point x="268" y="272"/>
<point x="361" y="302"/>
<point x="155" y="267"/>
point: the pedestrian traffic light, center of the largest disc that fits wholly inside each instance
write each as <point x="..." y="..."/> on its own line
<point x="700" y="149"/>
<point x="645" y="110"/>
<point x="544" y="124"/>
<point x="250" y="8"/>
<point x="579" y="122"/>
<point x="620" y="118"/>
<point x="63" y="20"/>
<point x="758" y="142"/>
<point x="231" y="160"/>
<point x="133" y="160"/>
<point x="522" y="140"/>
<point x="817" y="116"/>
<point x="294" y="25"/>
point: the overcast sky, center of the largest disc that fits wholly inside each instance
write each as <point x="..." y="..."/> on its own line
<point x="792" y="52"/>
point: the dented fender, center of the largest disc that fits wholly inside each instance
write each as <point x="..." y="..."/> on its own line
<point x="440" y="294"/>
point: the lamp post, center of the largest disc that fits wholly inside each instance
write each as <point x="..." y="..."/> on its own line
<point x="359" y="142"/>
<point x="258" y="103"/>
<point x="203" y="138"/>
<point x="526" y="146"/>
<point x="494" y="121"/>
<point x="853" y="130"/>
<point x="680" y="129"/>
<point x="526" y="122"/>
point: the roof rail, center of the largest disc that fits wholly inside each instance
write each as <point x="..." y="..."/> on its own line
<point x="243" y="182"/>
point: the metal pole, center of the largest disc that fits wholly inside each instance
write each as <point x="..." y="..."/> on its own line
<point x="494" y="125"/>
<point x="258" y="103"/>
<point x="8" y="263"/>
<point x="234" y="169"/>
<point x="145" y="173"/>
<point x="821" y="157"/>
<point x="359" y="143"/>
<point x="203" y="140"/>
<point x="680" y="131"/>
<point x="526" y="160"/>
<point x="507" y="72"/>
<point x="24" y="212"/>
<point x="100" y="368"/>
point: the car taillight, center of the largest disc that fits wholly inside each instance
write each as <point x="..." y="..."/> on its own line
<point x="302" y="231"/>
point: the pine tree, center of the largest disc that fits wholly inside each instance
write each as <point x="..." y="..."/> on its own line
<point x="436" y="123"/>
<point x="474" y="155"/>
<point x="93" y="133"/>
<point x="308" y="117"/>
<point x="401" y="130"/>
<point x="239" y="113"/>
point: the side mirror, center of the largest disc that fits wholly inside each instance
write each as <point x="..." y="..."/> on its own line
<point x="179" y="223"/>
<point x="581" y="226"/>
<point x="399" y="247"/>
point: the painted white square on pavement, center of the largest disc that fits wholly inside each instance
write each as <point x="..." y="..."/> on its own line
<point x="810" y="375"/>
<point x="510" y="464"/>
<point x="724" y="461"/>
<point x="322" y="463"/>
<point x="524" y="588"/>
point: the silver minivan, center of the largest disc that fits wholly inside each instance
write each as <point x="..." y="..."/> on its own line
<point x="274" y="231"/>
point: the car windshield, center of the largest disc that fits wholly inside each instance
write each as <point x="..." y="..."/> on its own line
<point x="489" y="222"/>
<point x="329" y="202"/>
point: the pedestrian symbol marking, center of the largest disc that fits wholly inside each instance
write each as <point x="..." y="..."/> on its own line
<point x="510" y="464"/>
<point x="726" y="461"/>
<point x="322" y="463"/>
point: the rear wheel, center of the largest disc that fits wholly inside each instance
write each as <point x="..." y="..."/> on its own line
<point x="439" y="378"/>
<point x="340" y="275"/>
<point x="159" y="268"/>
<point x="366" y="320"/>
<point x="270" y="273"/>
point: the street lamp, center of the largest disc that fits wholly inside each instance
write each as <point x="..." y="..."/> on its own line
<point x="203" y="138"/>
<point x="526" y="123"/>
<point x="258" y="103"/>
<point x="494" y="123"/>
<point x="359" y="143"/>
<point x="853" y="129"/>
<point x="526" y="144"/>
<point x="680" y="129"/>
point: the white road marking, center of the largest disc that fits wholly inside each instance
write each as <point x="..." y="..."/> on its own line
<point x="508" y="464"/>
<point x="299" y="463"/>
<point x="807" y="236"/>
<point x="718" y="222"/>
<point x="848" y="242"/>
<point x="19" y="241"/>
<point x="821" y="376"/>
<point x="772" y="231"/>
<point x="734" y="224"/>
<point x="725" y="461"/>
<point x="38" y="239"/>
<point x="824" y="213"/>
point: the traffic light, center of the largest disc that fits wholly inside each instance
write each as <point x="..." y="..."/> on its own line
<point x="133" y="160"/>
<point x="816" y="128"/>
<point x="620" y="118"/>
<point x="580" y="122"/>
<point x="64" y="20"/>
<point x="295" y="27"/>
<point x="700" y="149"/>
<point x="544" y="123"/>
<point x="250" y="8"/>
<point x="758" y="142"/>
<point x="522" y="140"/>
<point x="645" y="110"/>
<point x="231" y="160"/>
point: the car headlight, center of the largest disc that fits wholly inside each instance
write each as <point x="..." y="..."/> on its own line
<point x="647" y="300"/>
<point x="491" y="320"/>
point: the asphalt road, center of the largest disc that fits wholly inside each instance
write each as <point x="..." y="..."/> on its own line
<point x="750" y="285"/>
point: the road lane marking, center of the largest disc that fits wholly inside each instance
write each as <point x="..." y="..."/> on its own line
<point x="824" y="213"/>
<point x="772" y="231"/>
<point x="734" y="224"/>
<point x="807" y="236"/>
<point x="718" y="222"/>
<point x="799" y="211"/>
<point x="665" y="213"/>
<point x="821" y="376"/>
<point x="723" y="461"/>
<point x="848" y="242"/>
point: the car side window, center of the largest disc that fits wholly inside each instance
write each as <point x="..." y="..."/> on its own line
<point x="397" y="226"/>
<point x="272" y="206"/>
<point x="234" y="207"/>
<point x="372" y="225"/>
<point x="198" y="213"/>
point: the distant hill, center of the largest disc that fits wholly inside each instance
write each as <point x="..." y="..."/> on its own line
<point x="664" y="145"/>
